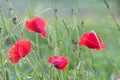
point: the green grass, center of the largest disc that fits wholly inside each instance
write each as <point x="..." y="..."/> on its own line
<point x="62" y="34"/>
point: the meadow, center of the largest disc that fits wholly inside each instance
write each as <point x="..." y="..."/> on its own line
<point x="66" y="22"/>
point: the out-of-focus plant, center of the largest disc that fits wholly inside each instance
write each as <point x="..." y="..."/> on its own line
<point x="118" y="6"/>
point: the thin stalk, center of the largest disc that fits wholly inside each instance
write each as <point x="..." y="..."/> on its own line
<point x="93" y="66"/>
<point x="15" y="18"/>
<point x="75" y="23"/>
<point x="109" y="60"/>
<point x="7" y="75"/>
<point x="29" y="12"/>
<point x="81" y="16"/>
<point x="55" y="26"/>
<point x="37" y="56"/>
<point x="1" y="35"/>
<point x="32" y="66"/>
<point x="66" y="27"/>
<point x="112" y="15"/>
<point x="14" y="72"/>
<point x="14" y="10"/>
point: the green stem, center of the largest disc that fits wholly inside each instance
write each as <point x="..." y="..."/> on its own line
<point x="93" y="66"/>
<point x="112" y="15"/>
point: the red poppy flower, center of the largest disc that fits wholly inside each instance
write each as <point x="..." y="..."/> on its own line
<point x="58" y="62"/>
<point x="37" y="25"/>
<point x="20" y="49"/>
<point x="91" y="40"/>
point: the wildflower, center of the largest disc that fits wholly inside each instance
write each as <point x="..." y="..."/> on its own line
<point x="19" y="50"/>
<point x="37" y="25"/>
<point x="59" y="62"/>
<point x="91" y="40"/>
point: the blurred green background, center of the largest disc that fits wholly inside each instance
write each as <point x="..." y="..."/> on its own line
<point x="92" y="8"/>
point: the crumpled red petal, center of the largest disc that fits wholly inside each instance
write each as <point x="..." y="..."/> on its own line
<point x="20" y="49"/>
<point x="13" y="55"/>
<point x="61" y="63"/>
<point x="58" y="62"/>
<point x="91" y="40"/>
<point x="37" y="25"/>
<point x="24" y="47"/>
<point x="52" y="58"/>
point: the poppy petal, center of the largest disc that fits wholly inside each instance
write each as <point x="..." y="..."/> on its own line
<point x="82" y="41"/>
<point x="91" y="40"/>
<point x="58" y="62"/>
<point x="52" y="58"/>
<point x="43" y="34"/>
<point x="24" y="47"/>
<point x="61" y="63"/>
<point x="103" y="46"/>
<point x="40" y="22"/>
<point x="37" y="25"/>
<point x="19" y="49"/>
<point x="13" y="55"/>
<point x="29" y="26"/>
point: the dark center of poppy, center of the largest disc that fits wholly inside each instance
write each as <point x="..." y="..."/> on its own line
<point x="56" y="65"/>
